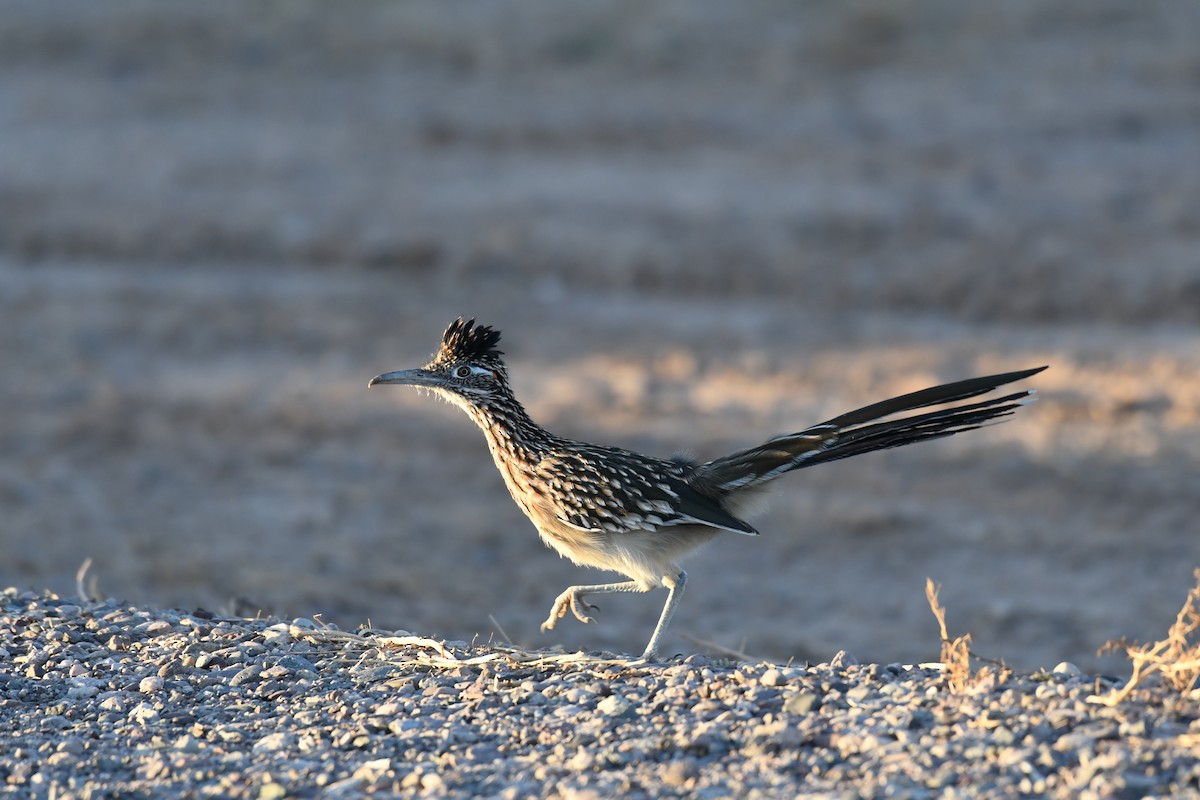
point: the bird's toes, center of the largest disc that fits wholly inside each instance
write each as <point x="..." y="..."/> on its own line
<point x="561" y="606"/>
<point x="580" y="607"/>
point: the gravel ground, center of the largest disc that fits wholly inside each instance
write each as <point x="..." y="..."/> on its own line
<point x="698" y="224"/>
<point x="109" y="700"/>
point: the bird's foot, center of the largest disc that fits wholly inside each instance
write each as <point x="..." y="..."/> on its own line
<point x="572" y="600"/>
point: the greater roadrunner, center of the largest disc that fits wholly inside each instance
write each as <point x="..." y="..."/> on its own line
<point x="617" y="510"/>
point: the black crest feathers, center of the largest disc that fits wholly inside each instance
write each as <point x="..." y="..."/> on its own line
<point x="466" y="340"/>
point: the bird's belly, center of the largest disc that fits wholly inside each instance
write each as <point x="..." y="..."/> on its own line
<point x="645" y="556"/>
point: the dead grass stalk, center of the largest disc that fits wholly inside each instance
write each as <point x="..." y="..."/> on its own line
<point x="1176" y="659"/>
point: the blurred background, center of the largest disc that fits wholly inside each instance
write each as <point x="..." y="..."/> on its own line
<point x="698" y="224"/>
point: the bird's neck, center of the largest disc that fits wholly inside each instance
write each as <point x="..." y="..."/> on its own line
<point x="509" y="428"/>
<point x="517" y="443"/>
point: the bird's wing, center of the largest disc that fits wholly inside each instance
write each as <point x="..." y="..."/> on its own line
<point x="616" y="491"/>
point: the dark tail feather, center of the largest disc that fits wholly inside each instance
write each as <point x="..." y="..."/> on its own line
<point x="934" y="425"/>
<point x="849" y="435"/>
<point x="946" y="393"/>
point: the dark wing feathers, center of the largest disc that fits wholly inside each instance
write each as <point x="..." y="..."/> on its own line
<point x="703" y="509"/>
<point x="618" y="491"/>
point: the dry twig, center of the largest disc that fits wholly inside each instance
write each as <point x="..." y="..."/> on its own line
<point x="725" y="650"/>
<point x="87" y="589"/>
<point x="956" y="653"/>
<point x="1176" y="658"/>
<point x="431" y="652"/>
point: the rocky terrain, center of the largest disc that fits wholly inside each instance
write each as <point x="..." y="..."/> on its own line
<point x="697" y="224"/>
<point x="108" y="700"/>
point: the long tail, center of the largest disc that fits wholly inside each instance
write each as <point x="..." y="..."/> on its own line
<point x="851" y="435"/>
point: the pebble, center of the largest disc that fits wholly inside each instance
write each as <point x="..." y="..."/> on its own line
<point x="143" y="713"/>
<point x="107" y="700"/>
<point x="281" y="740"/>
<point x="614" y="706"/>
<point x="772" y="677"/>
<point x="151" y="685"/>
<point x="801" y="703"/>
<point x="248" y="675"/>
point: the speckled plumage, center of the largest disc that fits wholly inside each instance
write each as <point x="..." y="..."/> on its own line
<point x="614" y="509"/>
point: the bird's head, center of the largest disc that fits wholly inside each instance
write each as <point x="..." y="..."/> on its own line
<point x="468" y="369"/>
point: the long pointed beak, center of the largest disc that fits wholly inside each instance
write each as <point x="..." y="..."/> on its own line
<point x="410" y="377"/>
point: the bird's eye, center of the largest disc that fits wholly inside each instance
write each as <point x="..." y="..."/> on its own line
<point x="462" y="372"/>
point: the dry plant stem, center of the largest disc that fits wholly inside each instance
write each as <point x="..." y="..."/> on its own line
<point x="500" y="629"/>
<point x="717" y="647"/>
<point x="956" y="653"/>
<point x="88" y="591"/>
<point x="1176" y="658"/>
<point x="434" y="653"/>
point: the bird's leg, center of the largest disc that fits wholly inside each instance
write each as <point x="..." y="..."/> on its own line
<point x="572" y="599"/>
<point x="674" y="586"/>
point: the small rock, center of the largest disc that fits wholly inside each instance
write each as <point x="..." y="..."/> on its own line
<point x="1004" y="737"/>
<point x="582" y="761"/>
<point x="154" y="767"/>
<point x="389" y="709"/>
<point x="296" y="664"/>
<point x="228" y="734"/>
<point x="270" y="790"/>
<point x="483" y="753"/>
<point x="143" y="713"/>
<point x="802" y="703"/>
<point x="275" y="741"/>
<point x="842" y="659"/>
<point x="614" y="706"/>
<point x="279" y="634"/>
<point x="860" y="693"/>
<point x="412" y="780"/>
<point x="82" y="691"/>
<point x="250" y="674"/>
<point x="188" y="744"/>
<point x="114" y="702"/>
<point x="1099" y="729"/>
<point x="399" y="726"/>
<point x="54" y="722"/>
<point x="772" y="737"/>
<point x="70" y="746"/>
<point x="150" y="685"/>
<point x="1134" y="728"/>
<point x="875" y="741"/>
<point x="678" y="773"/>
